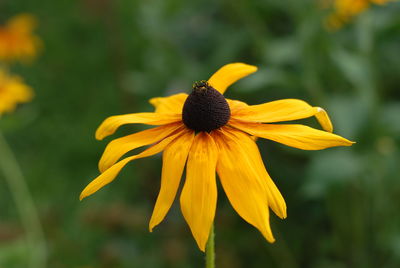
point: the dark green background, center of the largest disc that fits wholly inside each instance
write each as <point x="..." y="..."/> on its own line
<point x="104" y="57"/>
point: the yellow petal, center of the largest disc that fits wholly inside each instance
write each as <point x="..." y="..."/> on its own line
<point x="110" y="174"/>
<point x="282" y="110"/>
<point x="172" y="104"/>
<point x="235" y="105"/>
<point x="118" y="147"/>
<point x="199" y="195"/>
<point x="275" y="111"/>
<point x="275" y="199"/>
<point x="324" y="120"/>
<point x="242" y="184"/>
<point x="298" y="136"/>
<point x="174" y="160"/>
<point x="112" y="123"/>
<point x="229" y="74"/>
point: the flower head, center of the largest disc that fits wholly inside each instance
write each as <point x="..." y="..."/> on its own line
<point x="210" y="134"/>
<point x="344" y="10"/>
<point x="12" y="91"/>
<point x="17" y="42"/>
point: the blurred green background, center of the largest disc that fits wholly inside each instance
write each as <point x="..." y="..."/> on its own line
<point x="104" y="57"/>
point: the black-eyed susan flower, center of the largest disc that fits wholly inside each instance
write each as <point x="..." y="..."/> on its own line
<point x="12" y="91"/>
<point x="210" y="134"/>
<point x="345" y="10"/>
<point x="17" y="41"/>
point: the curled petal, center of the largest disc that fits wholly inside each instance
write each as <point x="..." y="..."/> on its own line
<point x="174" y="160"/>
<point x="199" y="194"/>
<point x="172" y="104"/>
<point x="324" y="120"/>
<point x="112" y="123"/>
<point x="294" y="135"/>
<point x="110" y="174"/>
<point x="229" y="74"/>
<point x="118" y="147"/>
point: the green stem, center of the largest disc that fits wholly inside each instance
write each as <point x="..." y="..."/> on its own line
<point x="210" y="250"/>
<point x="25" y="206"/>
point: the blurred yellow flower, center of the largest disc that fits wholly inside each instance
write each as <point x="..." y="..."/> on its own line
<point x="209" y="133"/>
<point x="12" y="91"/>
<point x="344" y="10"/>
<point x="17" y="41"/>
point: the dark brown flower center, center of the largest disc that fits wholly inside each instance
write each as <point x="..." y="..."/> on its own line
<point x="205" y="109"/>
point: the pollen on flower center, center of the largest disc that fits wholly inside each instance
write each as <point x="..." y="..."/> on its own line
<point x="205" y="109"/>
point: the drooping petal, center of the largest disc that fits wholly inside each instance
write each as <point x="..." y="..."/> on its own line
<point x="282" y="110"/>
<point x="275" y="199"/>
<point x="242" y="184"/>
<point x="294" y="135"/>
<point x="229" y="74"/>
<point x="174" y="160"/>
<point x="110" y="174"/>
<point x="118" y="147"/>
<point x="172" y="104"/>
<point x="112" y="123"/>
<point x="199" y="195"/>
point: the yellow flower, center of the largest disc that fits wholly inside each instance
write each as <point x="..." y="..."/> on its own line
<point x="344" y="10"/>
<point x="17" y="41"/>
<point x="209" y="133"/>
<point x="12" y="91"/>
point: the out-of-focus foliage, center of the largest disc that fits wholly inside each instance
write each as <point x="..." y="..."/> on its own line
<point x="103" y="57"/>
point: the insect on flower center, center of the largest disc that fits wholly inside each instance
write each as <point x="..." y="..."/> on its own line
<point x="205" y="109"/>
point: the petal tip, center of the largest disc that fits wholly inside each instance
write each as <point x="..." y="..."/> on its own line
<point x="324" y="120"/>
<point x="269" y="236"/>
<point x="249" y="68"/>
<point x="82" y="196"/>
<point x="283" y="215"/>
<point x="99" y="136"/>
<point x="242" y="64"/>
<point x="202" y="247"/>
<point x="348" y="142"/>
<point x="253" y="68"/>
<point x="154" y="101"/>
<point x="152" y="225"/>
